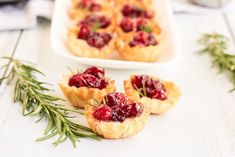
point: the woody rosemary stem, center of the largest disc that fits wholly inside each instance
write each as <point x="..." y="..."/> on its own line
<point x="35" y="99"/>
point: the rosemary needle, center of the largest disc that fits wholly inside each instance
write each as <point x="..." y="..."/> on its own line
<point x="35" y="100"/>
<point x="216" y="46"/>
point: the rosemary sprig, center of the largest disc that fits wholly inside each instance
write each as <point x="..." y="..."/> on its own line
<point x="139" y="90"/>
<point x="35" y="99"/>
<point x="216" y="46"/>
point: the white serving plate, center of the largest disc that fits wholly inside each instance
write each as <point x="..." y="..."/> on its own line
<point x="164" y="17"/>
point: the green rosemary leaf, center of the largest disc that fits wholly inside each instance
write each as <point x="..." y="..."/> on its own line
<point x="47" y="136"/>
<point x="35" y="100"/>
<point x="216" y="46"/>
<point x="49" y="126"/>
<point x="140" y="93"/>
<point x="95" y="26"/>
<point x="71" y="70"/>
<point x="147" y="29"/>
<point x="41" y="117"/>
<point x="36" y="110"/>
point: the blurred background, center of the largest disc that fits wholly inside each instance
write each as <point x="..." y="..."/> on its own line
<point x="23" y="14"/>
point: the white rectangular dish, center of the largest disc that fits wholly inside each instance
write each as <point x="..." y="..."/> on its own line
<point x="164" y="17"/>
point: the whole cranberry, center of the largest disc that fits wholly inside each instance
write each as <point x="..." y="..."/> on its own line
<point x="118" y="115"/>
<point x="133" y="110"/>
<point x="106" y="36"/>
<point x="139" y="80"/>
<point x="85" y="3"/>
<point x="98" y="40"/>
<point x="84" y="32"/>
<point x="104" y="21"/>
<point x="95" y="7"/>
<point x="76" y="80"/>
<point x="95" y="71"/>
<point x="103" y="112"/>
<point x="84" y="80"/>
<point x="127" y="24"/>
<point x="115" y="99"/>
<point x="149" y="87"/>
<point x="141" y="37"/>
<point x="103" y="83"/>
<point x="126" y="10"/>
<point x="155" y="84"/>
<point x="152" y="40"/>
<point x="157" y="94"/>
<point x="131" y="11"/>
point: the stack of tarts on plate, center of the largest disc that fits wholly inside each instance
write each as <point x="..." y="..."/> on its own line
<point x="113" y="114"/>
<point x="99" y="29"/>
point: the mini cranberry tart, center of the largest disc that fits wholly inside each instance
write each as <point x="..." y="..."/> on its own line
<point x="140" y="3"/>
<point x="128" y="24"/>
<point x="135" y="11"/>
<point x="157" y="95"/>
<point x="82" y="8"/>
<point x="84" y="87"/>
<point x="92" y="37"/>
<point x="116" y="116"/>
<point x="140" y="46"/>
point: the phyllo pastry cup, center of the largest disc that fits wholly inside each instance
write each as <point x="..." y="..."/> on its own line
<point x="79" y="90"/>
<point x="115" y="128"/>
<point x="156" y="106"/>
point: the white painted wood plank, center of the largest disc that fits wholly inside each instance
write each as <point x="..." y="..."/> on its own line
<point x="231" y="21"/>
<point x="7" y="44"/>
<point x="202" y="124"/>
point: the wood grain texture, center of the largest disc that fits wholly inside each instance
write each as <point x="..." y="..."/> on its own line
<point x="8" y="42"/>
<point x="201" y="125"/>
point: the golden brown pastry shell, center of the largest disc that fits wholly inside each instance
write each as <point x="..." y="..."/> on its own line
<point x="116" y="130"/>
<point x="138" y="53"/>
<point x="80" y="47"/>
<point x="79" y="97"/>
<point x="156" y="106"/>
<point x="74" y="12"/>
<point x="140" y="3"/>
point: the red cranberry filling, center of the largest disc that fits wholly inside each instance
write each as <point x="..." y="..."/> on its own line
<point x="103" y="112"/>
<point x="95" y="7"/>
<point x="133" y="12"/>
<point x="84" y="32"/>
<point x="96" y="21"/>
<point x="98" y="40"/>
<point x="90" y="5"/>
<point x="116" y="99"/>
<point x="94" y="39"/>
<point x="149" y="87"/>
<point x="133" y="110"/>
<point x="88" y="25"/>
<point x="140" y="23"/>
<point x="120" y="108"/>
<point x="93" y="77"/>
<point x="143" y="39"/>
<point x="128" y="24"/>
<point x="95" y="71"/>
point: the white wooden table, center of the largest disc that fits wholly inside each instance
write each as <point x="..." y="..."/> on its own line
<point x="201" y="125"/>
